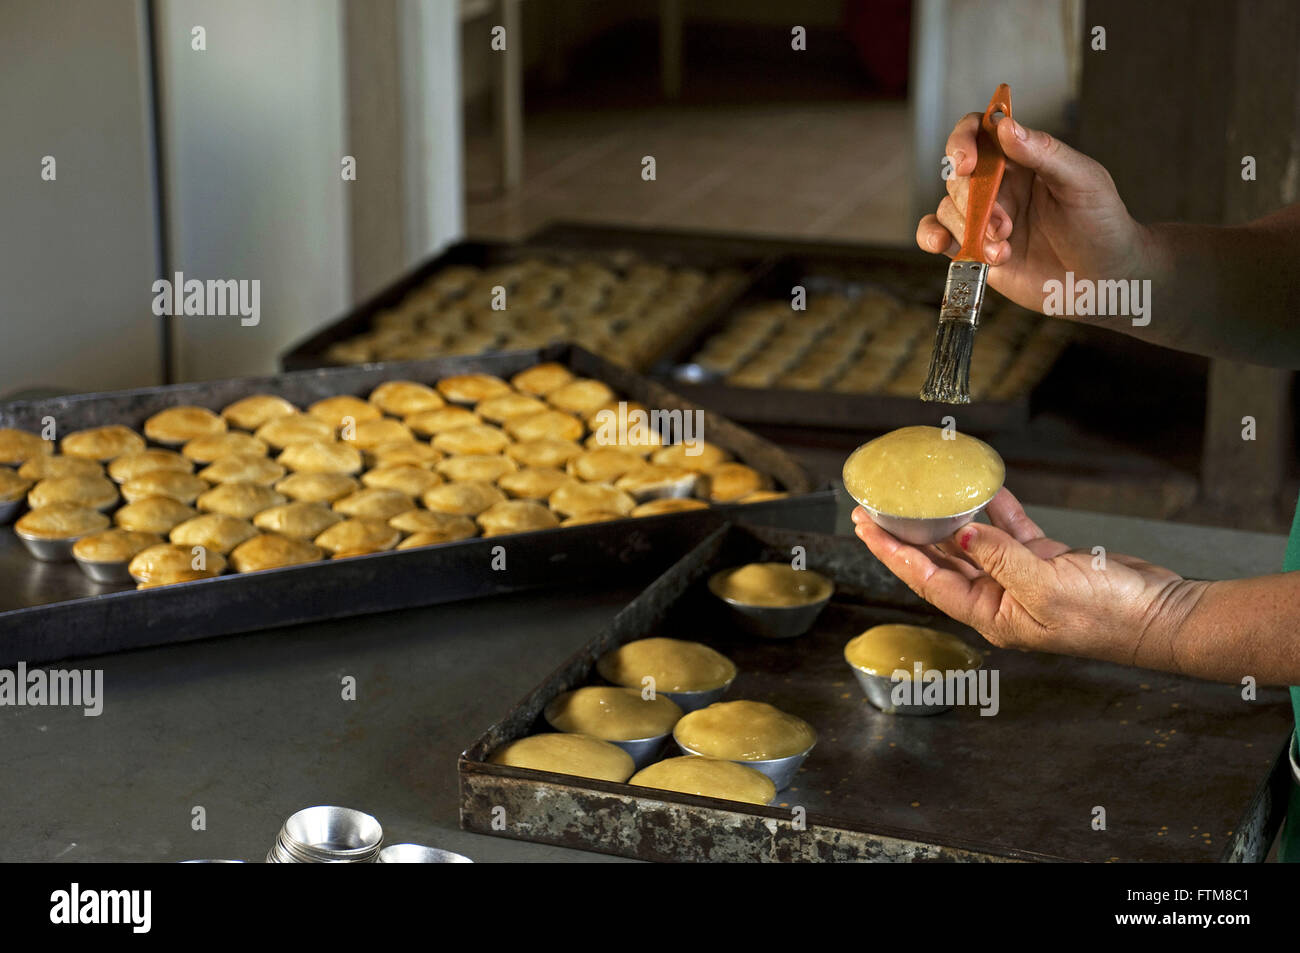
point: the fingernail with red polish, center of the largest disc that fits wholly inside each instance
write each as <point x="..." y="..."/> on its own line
<point x="965" y="538"/>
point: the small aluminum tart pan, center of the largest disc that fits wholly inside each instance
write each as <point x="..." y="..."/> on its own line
<point x="879" y="690"/>
<point x="781" y="771"/>
<point x="114" y="571"/>
<point x="10" y="509"/>
<point x="419" y="854"/>
<point x="693" y="701"/>
<point x="773" y="622"/>
<point x="644" y="751"/>
<point x="49" y="550"/>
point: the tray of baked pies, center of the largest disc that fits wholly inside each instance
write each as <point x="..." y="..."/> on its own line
<point x="780" y="696"/>
<point x="856" y="351"/>
<point x="168" y="513"/>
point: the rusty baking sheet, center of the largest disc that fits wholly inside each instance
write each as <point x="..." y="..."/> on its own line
<point x="1185" y="770"/>
<point x="51" y="610"/>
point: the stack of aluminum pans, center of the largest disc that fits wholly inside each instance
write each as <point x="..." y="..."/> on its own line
<point x="327" y="835"/>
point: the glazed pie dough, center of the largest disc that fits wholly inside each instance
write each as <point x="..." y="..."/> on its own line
<point x="12" y="486"/>
<point x="583" y="396"/>
<point x="516" y="516"/>
<point x="540" y="379"/>
<point x="433" y="422"/>
<point x="555" y="424"/>
<point x="699" y="455"/>
<point x="476" y="468"/>
<point x="674" y="664"/>
<point x="357" y="536"/>
<point x="282" y="431"/>
<point x="405" y="398"/>
<point x="168" y="563"/>
<point x="132" y="465"/>
<point x="243" y="468"/>
<point x="375" y="433"/>
<point x="184" y="487"/>
<point x="38" y="468"/>
<point x="337" y="411"/>
<point x="61" y="521"/>
<point x="562" y="753"/>
<point x="771" y="585"/>
<point x="251" y="412"/>
<point x="406" y="453"/>
<point x="605" y="464"/>
<point x="463" y="499"/>
<point x="915" y="472"/>
<point x="317" y="487"/>
<point x="157" y="514"/>
<point x="215" y="532"/>
<point x="94" y="492"/>
<point x="19" y="446"/>
<point x="744" y="731"/>
<point x="436" y="527"/>
<point x="545" y="452"/>
<point x="707" y="777"/>
<point x="533" y="483"/>
<point x="176" y="425"/>
<point x="300" y="520"/>
<point x="884" y="649"/>
<point x="473" y="439"/>
<point x="271" y="551"/>
<point x="374" y="503"/>
<point x="408" y="479"/>
<point x="578" y="498"/>
<point x="472" y="388"/>
<point x="319" y="456"/>
<point x="113" y="545"/>
<point x="729" y="482"/>
<point x="244" y="500"/>
<point x="669" y="505"/>
<point x="612" y="713"/>
<point x="215" y="446"/>
<point x="102" y="443"/>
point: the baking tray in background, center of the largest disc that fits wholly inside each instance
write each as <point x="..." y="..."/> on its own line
<point x="51" y="610"/>
<point x="564" y="243"/>
<point x="910" y="275"/>
<point x="1186" y="770"/>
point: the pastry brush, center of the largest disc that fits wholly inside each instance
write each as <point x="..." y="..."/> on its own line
<point x="963" y="295"/>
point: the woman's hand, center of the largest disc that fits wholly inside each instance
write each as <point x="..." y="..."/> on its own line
<point x="1057" y="211"/>
<point x="1021" y="590"/>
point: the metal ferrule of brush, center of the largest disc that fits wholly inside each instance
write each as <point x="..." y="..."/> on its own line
<point x="963" y="295"/>
<point x="959" y="315"/>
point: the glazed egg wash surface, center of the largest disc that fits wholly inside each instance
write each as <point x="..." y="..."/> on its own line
<point x="919" y="473"/>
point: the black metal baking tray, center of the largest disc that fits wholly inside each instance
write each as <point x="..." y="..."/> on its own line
<point x="566" y="242"/>
<point x="51" y="610"/>
<point x="1185" y="770"/>
<point x="910" y="274"/>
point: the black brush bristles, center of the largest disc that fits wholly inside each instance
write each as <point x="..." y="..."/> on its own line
<point x="949" y="378"/>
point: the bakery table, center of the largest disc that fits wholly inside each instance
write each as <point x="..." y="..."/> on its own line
<point x="254" y="727"/>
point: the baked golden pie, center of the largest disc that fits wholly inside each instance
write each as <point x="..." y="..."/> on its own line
<point x="516" y="516"/>
<point x="729" y="482"/>
<point x="102" y="443"/>
<point x="343" y="409"/>
<point x="604" y="464"/>
<point x="583" y="396"/>
<point x="464" y="499"/>
<point x="61" y="521"/>
<point x="639" y="443"/>
<point x="184" y="487"/>
<point x="271" y="551"/>
<point x="38" y="468"/>
<point x="582" y="519"/>
<point x="244" y="500"/>
<point x="374" y="502"/>
<point x="357" y="536"/>
<point x="612" y="713"/>
<point x="218" y="445"/>
<point x="131" y="465"/>
<point x="169" y="563"/>
<point x="541" y="379"/>
<point x="317" y="487"/>
<point x="243" y="468"/>
<point x="472" y="388"/>
<point x="707" y="777"/>
<point x="176" y="425"/>
<point x="251" y="412"/>
<point x="885" y="649"/>
<point x="555" y="424"/>
<point x="408" y="479"/>
<point x="652" y="480"/>
<point x="215" y="532"/>
<point x="674" y="664"/>
<point x="744" y="731"/>
<point x="564" y="753"/>
<point x="763" y="496"/>
<point x="670" y="504"/>
<point x="921" y="473"/>
<point x="430" y="423"/>
<point x="405" y="453"/>
<point x="544" y="453"/>
<point x="473" y="439"/>
<point x="577" y="498"/>
<point x="19" y="446"/>
<point x="300" y="520"/>
<point x="405" y="398"/>
<point x="113" y="545"/>
<point x="282" y="431"/>
<point x="476" y="468"/>
<point x="12" y="486"/>
<point x="772" y="585"/>
<point x="697" y="455"/>
<point x="375" y="433"/>
<point x="426" y="523"/>
<point x="500" y="409"/>
<point x="157" y="514"/>
<point x="320" y="456"/>
<point x="533" y="483"/>
<point x="95" y="492"/>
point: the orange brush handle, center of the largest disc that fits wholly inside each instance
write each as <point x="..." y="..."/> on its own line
<point x="985" y="181"/>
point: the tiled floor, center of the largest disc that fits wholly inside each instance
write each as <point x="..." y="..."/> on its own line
<point x="815" y="170"/>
